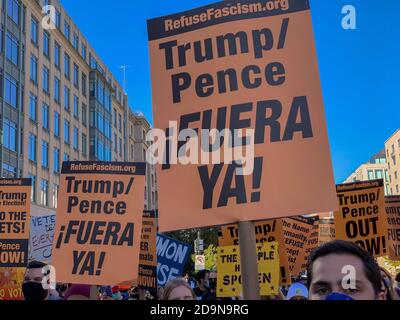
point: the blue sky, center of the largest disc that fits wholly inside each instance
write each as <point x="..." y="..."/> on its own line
<point x="359" y="68"/>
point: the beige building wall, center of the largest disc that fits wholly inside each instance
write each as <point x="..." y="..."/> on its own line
<point x="392" y="147"/>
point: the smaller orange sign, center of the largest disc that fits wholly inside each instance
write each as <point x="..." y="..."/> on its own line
<point x="11" y="280"/>
<point x="393" y="226"/>
<point x="148" y="255"/>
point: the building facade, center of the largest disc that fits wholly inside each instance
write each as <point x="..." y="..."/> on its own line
<point x="59" y="102"/>
<point x="392" y="147"/>
<point x="375" y="168"/>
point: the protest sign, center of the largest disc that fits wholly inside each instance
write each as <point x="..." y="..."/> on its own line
<point x="361" y="217"/>
<point x="229" y="278"/>
<point x="268" y="268"/>
<point x="393" y="226"/>
<point x="223" y="68"/>
<point x="11" y="280"/>
<point x="41" y="237"/>
<point x="15" y="200"/>
<point x="172" y="256"/>
<point x="295" y="233"/>
<point x="99" y="222"/>
<point x="311" y="244"/>
<point x="326" y="231"/>
<point x="265" y="231"/>
<point x="148" y="255"/>
<point x="199" y="262"/>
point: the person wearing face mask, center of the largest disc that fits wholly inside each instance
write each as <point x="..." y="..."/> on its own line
<point x="203" y="283"/>
<point x="33" y="287"/>
<point x="342" y="270"/>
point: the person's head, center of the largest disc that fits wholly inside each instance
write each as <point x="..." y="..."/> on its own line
<point x="78" y="292"/>
<point x="387" y="284"/>
<point x="297" y="291"/>
<point x="343" y="267"/>
<point x="33" y="288"/>
<point x="178" y="289"/>
<point x="203" y="279"/>
<point x="398" y="280"/>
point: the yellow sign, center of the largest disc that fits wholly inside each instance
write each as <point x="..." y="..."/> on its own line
<point x="229" y="282"/>
<point x="268" y="268"/>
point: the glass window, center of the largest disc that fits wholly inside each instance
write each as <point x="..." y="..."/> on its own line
<point x="67" y="29"/>
<point x="45" y="154"/>
<point x="76" y="138"/>
<point x="44" y="192"/>
<point x="120" y="123"/>
<point x="9" y="134"/>
<point x="57" y="50"/>
<point x="32" y="147"/>
<point x="84" y="114"/>
<point x="13" y="10"/>
<point x="76" y="76"/>
<point x="56" y="160"/>
<point x="84" y="146"/>
<point x="10" y="95"/>
<point x="56" y="89"/>
<point x="66" y="157"/>
<point x="83" y="53"/>
<point x="76" y="106"/>
<point x="371" y="175"/>
<point x="83" y="84"/>
<point x="66" y="98"/>
<point x="32" y="106"/>
<point x="67" y="60"/>
<point x="12" y="48"/>
<point x="58" y="19"/>
<point x="33" y="191"/>
<point x="56" y="124"/>
<point x="379" y="174"/>
<point x="46" y="44"/>
<point x="33" y="69"/>
<point x="46" y="79"/>
<point x="66" y="131"/>
<point x="34" y="31"/>
<point x="75" y="41"/>
<point x="55" y="195"/>
<point x="45" y="116"/>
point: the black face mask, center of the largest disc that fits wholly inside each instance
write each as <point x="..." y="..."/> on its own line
<point x="34" y="291"/>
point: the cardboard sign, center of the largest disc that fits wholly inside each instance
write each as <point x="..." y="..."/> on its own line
<point x="326" y="231"/>
<point x="232" y="66"/>
<point x="393" y="226"/>
<point x="265" y="231"/>
<point x="295" y="233"/>
<point x="41" y="237"/>
<point x="148" y="255"/>
<point x="361" y="217"/>
<point x="15" y="201"/>
<point x="229" y="278"/>
<point x="11" y="280"/>
<point x="268" y="268"/>
<point x="172" y="256"/>
<point x="99" y="222"/>
<point x="311" y="244"/>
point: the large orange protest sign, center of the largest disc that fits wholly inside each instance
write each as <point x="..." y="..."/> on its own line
<point x="99" y="222"/>
<point x="11" y="280"/>
<point x="361" y="217"/>
<point x="265" y="231"/>
<point x="15" y="200"/>
<point x="296" y="232"/>
<point x="148" y="255"/>
<point x="326" y="231"/>
<point x="232" y="66"/>
<point x="393" y="226"/>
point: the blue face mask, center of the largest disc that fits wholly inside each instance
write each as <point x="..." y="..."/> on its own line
<point x="338" y="296"/>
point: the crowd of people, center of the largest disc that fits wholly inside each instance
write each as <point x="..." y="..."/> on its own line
<point x="337" y="270"/>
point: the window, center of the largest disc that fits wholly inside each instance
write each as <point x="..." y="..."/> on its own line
<point x="394" y="160"/>
<point x="84" y="112"/>
<point x="8" y="171"/>
<point x="76" y="76"/>
<point x="66" y="157"/>
<point x="83" y="52"/>
<point x="33" y="191"/>
<point x="32" y="106"/>
<point x="395" y="175"/>
<point x="76" y="107"/>
<point x="55" y="195"/>
<point x="120" y="123"/>
<point x="371" y="175"/>
<point x="56" y="160"/>
<point x="32" y="147"/>
<point x="46" y="79"/>
<point x="115" y="143"/>
<point x="84" y="146"/>
<point x="13" y="10"/>
<point x="397" y="188"/>
<point x="34" y="31"/>
<point x="67" y="29"/>
<point x="66" y="98"/>
<point x="386" y="176"/>
<point x="45" y="154"/>
<point x="379" y="174"/>
<point x="75" y="41"/>
<point x="66" y="131"/>
<point x="76" y="138"/>
<point x="44" y="192"/>
<point x="120" y="146"/>
<point x="33" y="69"/>
<point x="45" y="116"/>
<point x="57" y="89"/>
<point x="57" y="50"/>
<point x="58" y="19"/>
<point x="56" y="124"/>
<point x="84" y="84"/>
<point x="9" y="134"/>
<point x="46" y="44"/>
<point x="10" y="95"/>
<point x="12" y="48"/>
<point x="67" y="60"/>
